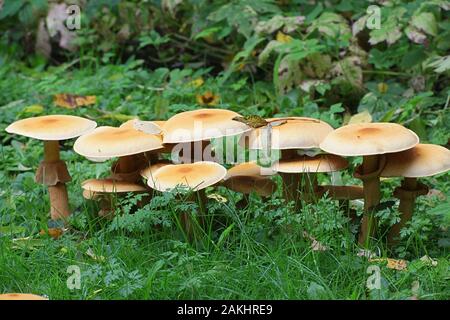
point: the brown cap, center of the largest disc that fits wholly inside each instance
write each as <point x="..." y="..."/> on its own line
<point x="109" y="142"/>
<point x="20" y="296"/>
<point x="196" y="176"/>
<point x="52" y="128"/>
<point x="303" y="164"/>
<point x="421" y="161"/>
<point x="249" y="169"/>
<point x="202" y="124"/>
<point x="92" y="187"/>
<point x="365" y="139"/>
<point x="296" y="133"/>
<point x="248" y="184"/>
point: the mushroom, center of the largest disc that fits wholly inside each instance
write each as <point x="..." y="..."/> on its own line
<point x="249" y="177"/>
<point x="192" y="131"/>
<point x="52" y="171"/>
<point x="322" y="163"/>
<point x="423" y="160"/>
<point x="370" y="140"/>
<point x="21" y="296"/>
<point x="296" y="135"/>
<point x="194" y="176"/>
<point x="103" y="189"/>
<point x="126" y="143"/>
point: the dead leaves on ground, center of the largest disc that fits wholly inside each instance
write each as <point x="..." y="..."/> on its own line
<point x="71" y="101"/>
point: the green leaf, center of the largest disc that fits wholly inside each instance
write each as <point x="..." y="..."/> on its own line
<point x="426" y="22"/>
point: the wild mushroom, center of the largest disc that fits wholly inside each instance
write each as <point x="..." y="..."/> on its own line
<point x="21" y="296"/>
<point x="370" y="140"/>
<point x="322" y="163"/>
<point x="195" y="177"/>
<point x="423" y="160"/>
<point x="191" y="131"/>
<point x="52" y="171"/>
<point x="126" y="143"/>
<point x="249" y="177"/>
<point x="297" y="135"/>
<point x="102" y="190"/>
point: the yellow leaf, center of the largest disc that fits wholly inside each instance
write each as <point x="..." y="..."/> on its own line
<point x="71" y="101"/>
<point x="283" y="38"/>
<point x="208" y="98"/>
<point x="197" y="82"/>
<point x="362" y="117"/>
<point x="382" y="87"/>
<point x="55" y="233"/>
<point x="33" y="109"/>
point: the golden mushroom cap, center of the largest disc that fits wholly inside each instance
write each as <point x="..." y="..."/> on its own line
<point x="202" y="124"/>
<point x="249" y="169"/>
<point x="421" y="161"/>
<point x="365" y="139"/>
<point x="196" y="176"/>
<point x="92" y="187"/>
<point x="316" y="164"/>
<point x="110" y="142"/>
<point x="52" y="128"/>
<point x="20" y="296"/>
<point x="296" y="133"/>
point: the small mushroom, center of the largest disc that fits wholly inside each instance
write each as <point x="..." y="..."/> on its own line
<point x="296" y="134"/>
<point x="423" y="160"/>
<point x="104" y="189"/>
<point x="194" y="176"/>
<point x="52" y="171"/>
<point x="192" y="131"/>
<point x="370" y="140"/>
<point x="126" y="143"/>
<point x="249" y="177"/>
<point x="295" y="168"/>
<point x="21" y="296"/>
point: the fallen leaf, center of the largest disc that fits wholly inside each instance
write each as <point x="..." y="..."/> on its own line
<point x="71" y="101"/>
<point x="55" y="233"/>
<point x="33" y="109"/>
<point x="315" y="245"/>
<point x="208" y="98"/>
<point x="91" y="254"/>
<point x="436" y="193"/>
<point x="396" y="264"/>
<point x="427" y="260"/>
<point x="362" y="117"/>
<point x="217" y="197"/>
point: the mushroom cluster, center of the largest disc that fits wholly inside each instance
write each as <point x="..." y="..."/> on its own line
<point x="298" y="148"/>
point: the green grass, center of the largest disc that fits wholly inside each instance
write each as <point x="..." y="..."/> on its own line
<point x="254" y="253"/>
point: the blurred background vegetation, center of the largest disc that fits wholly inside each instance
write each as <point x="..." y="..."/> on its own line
<point x="266" y="57"/>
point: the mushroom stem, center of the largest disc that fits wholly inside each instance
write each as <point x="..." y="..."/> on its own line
<point x="371" y="198"/>
<point x="59" y="200"/>
<point x="190" y="223"/>
<point x="291" y="186"/>
<point x="344" y="192"/>
<point x="406" y="209"/>
<point x="127" y="164"/>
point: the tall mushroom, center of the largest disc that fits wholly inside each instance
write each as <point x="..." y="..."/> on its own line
<point x="296" y="136"/>
<point x="52" y="171"/>
<point x="249" y="177"/>
<point x="370" y="140"/>
<point x="126" y="143"/>
<point x="191" y="131"/>
<point x="423" y="160"/>
<point x="195" y="176"/>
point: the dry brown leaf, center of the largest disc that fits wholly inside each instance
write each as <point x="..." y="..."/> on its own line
<point x="55" y="233"/>
<point x="396" y="264"/>
<point x="71" y="101"/>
